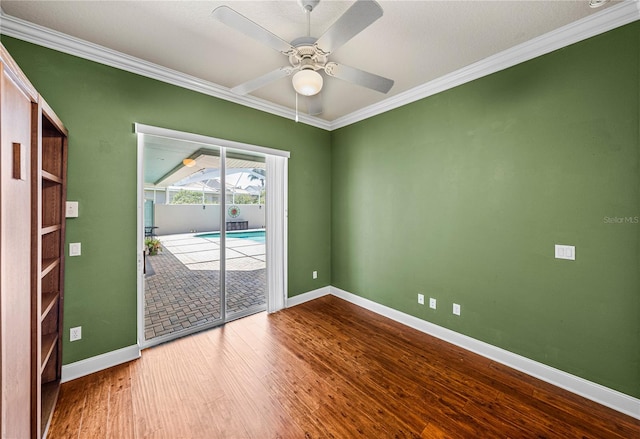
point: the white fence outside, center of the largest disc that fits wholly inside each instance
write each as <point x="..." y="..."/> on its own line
<point x="172" y="219"/>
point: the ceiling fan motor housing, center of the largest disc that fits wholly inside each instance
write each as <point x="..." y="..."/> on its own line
<point x="306" y="54"/>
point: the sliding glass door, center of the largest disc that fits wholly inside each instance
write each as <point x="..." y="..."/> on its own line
<point x="204" y="230"/>
<point x="183" y="273"/>
<point x="245" y="246"/>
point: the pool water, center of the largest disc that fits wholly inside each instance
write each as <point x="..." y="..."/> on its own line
<point x="257" y="235"/>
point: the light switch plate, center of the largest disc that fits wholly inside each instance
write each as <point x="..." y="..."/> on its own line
<point x="75" y="249"/>
<point x="565" y="252"/>
<point x="456" y="309"/>
<point x="71" y="209"/>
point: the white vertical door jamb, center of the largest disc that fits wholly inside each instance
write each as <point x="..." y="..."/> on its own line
<point x="140" y="239"/>
<point x="276" y="242"/>
<point x="223" y="235"/>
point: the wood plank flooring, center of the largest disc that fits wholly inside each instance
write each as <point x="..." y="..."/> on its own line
<point x="324" y="369"/>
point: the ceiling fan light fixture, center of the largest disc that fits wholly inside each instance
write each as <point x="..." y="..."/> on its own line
<point x="189" y="163"/>
<point x="307" y="82"/>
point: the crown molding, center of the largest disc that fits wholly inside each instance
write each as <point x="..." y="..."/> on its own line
<point x="595" y="24"/>
<point x="42" y="36"/>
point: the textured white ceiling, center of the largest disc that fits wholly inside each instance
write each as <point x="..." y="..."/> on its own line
<point x="413" y="43"/>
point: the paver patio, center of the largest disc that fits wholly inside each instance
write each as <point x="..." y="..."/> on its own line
<point x="182" y="289"/>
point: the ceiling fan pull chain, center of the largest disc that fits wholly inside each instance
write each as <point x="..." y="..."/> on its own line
<point x="297" y="120"/>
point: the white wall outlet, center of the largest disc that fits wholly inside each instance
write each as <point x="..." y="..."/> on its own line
<point x="71" y="210"/>
<point x="75" y="249"/>
<point x="315" y="274"/>
<point x="456" y="309"/>
<point x="565" y="252"/>
<point x="432" y="303"/>
<point x="75" y="333"/>
<point x="421" y="299"/>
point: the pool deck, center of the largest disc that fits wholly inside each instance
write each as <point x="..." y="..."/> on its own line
<point x="182" y="285"/>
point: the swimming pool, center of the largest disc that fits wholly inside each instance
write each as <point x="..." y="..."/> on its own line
<point x="254" y="235"/>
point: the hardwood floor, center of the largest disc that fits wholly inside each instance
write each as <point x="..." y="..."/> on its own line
<point x="324" y="369"/>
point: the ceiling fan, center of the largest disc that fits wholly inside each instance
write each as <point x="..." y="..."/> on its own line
<point x="308" y="55"/>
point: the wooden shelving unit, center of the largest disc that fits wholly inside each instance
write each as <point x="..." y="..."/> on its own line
<point x="49" y="178"/>
<point x="17" y="95"/>
<point x="33" y="184"/>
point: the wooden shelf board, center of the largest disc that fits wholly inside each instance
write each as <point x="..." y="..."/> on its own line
<point x="49" y="392"/>
<point x="50" y="229"/>
<point x="48" y="265"/>
<point x="48" y="344"/>
<point x="48" y="300"/>
<point x="51" y="177"/>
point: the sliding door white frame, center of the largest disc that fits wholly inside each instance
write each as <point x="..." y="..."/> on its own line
<point x="276" y="211"/>
<point x="276" y="232"/>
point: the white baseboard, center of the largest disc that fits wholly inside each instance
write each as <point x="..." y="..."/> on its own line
<point x="603" y="395"/>
<point x="309" y="295"/>
<point x="99" y="362"/>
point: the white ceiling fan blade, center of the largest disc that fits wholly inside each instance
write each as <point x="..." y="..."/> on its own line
<point x="359" y="77"/>
<point x="314" y="104"/>
<point x="261" y="81"/>
<point x="358" y="17"/>
<point x="239" y="22"/>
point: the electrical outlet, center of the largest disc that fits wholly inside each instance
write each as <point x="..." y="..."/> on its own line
<point x="421" y="299"/>
<point x="315" y="274"/>
<point x="456" y="309"/>
<point x="432" y="303"/>
<point x="75" y="333"/>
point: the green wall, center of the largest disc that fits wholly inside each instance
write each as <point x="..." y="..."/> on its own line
<point x="99" y="106"/>
<point x="462" y="196"/>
